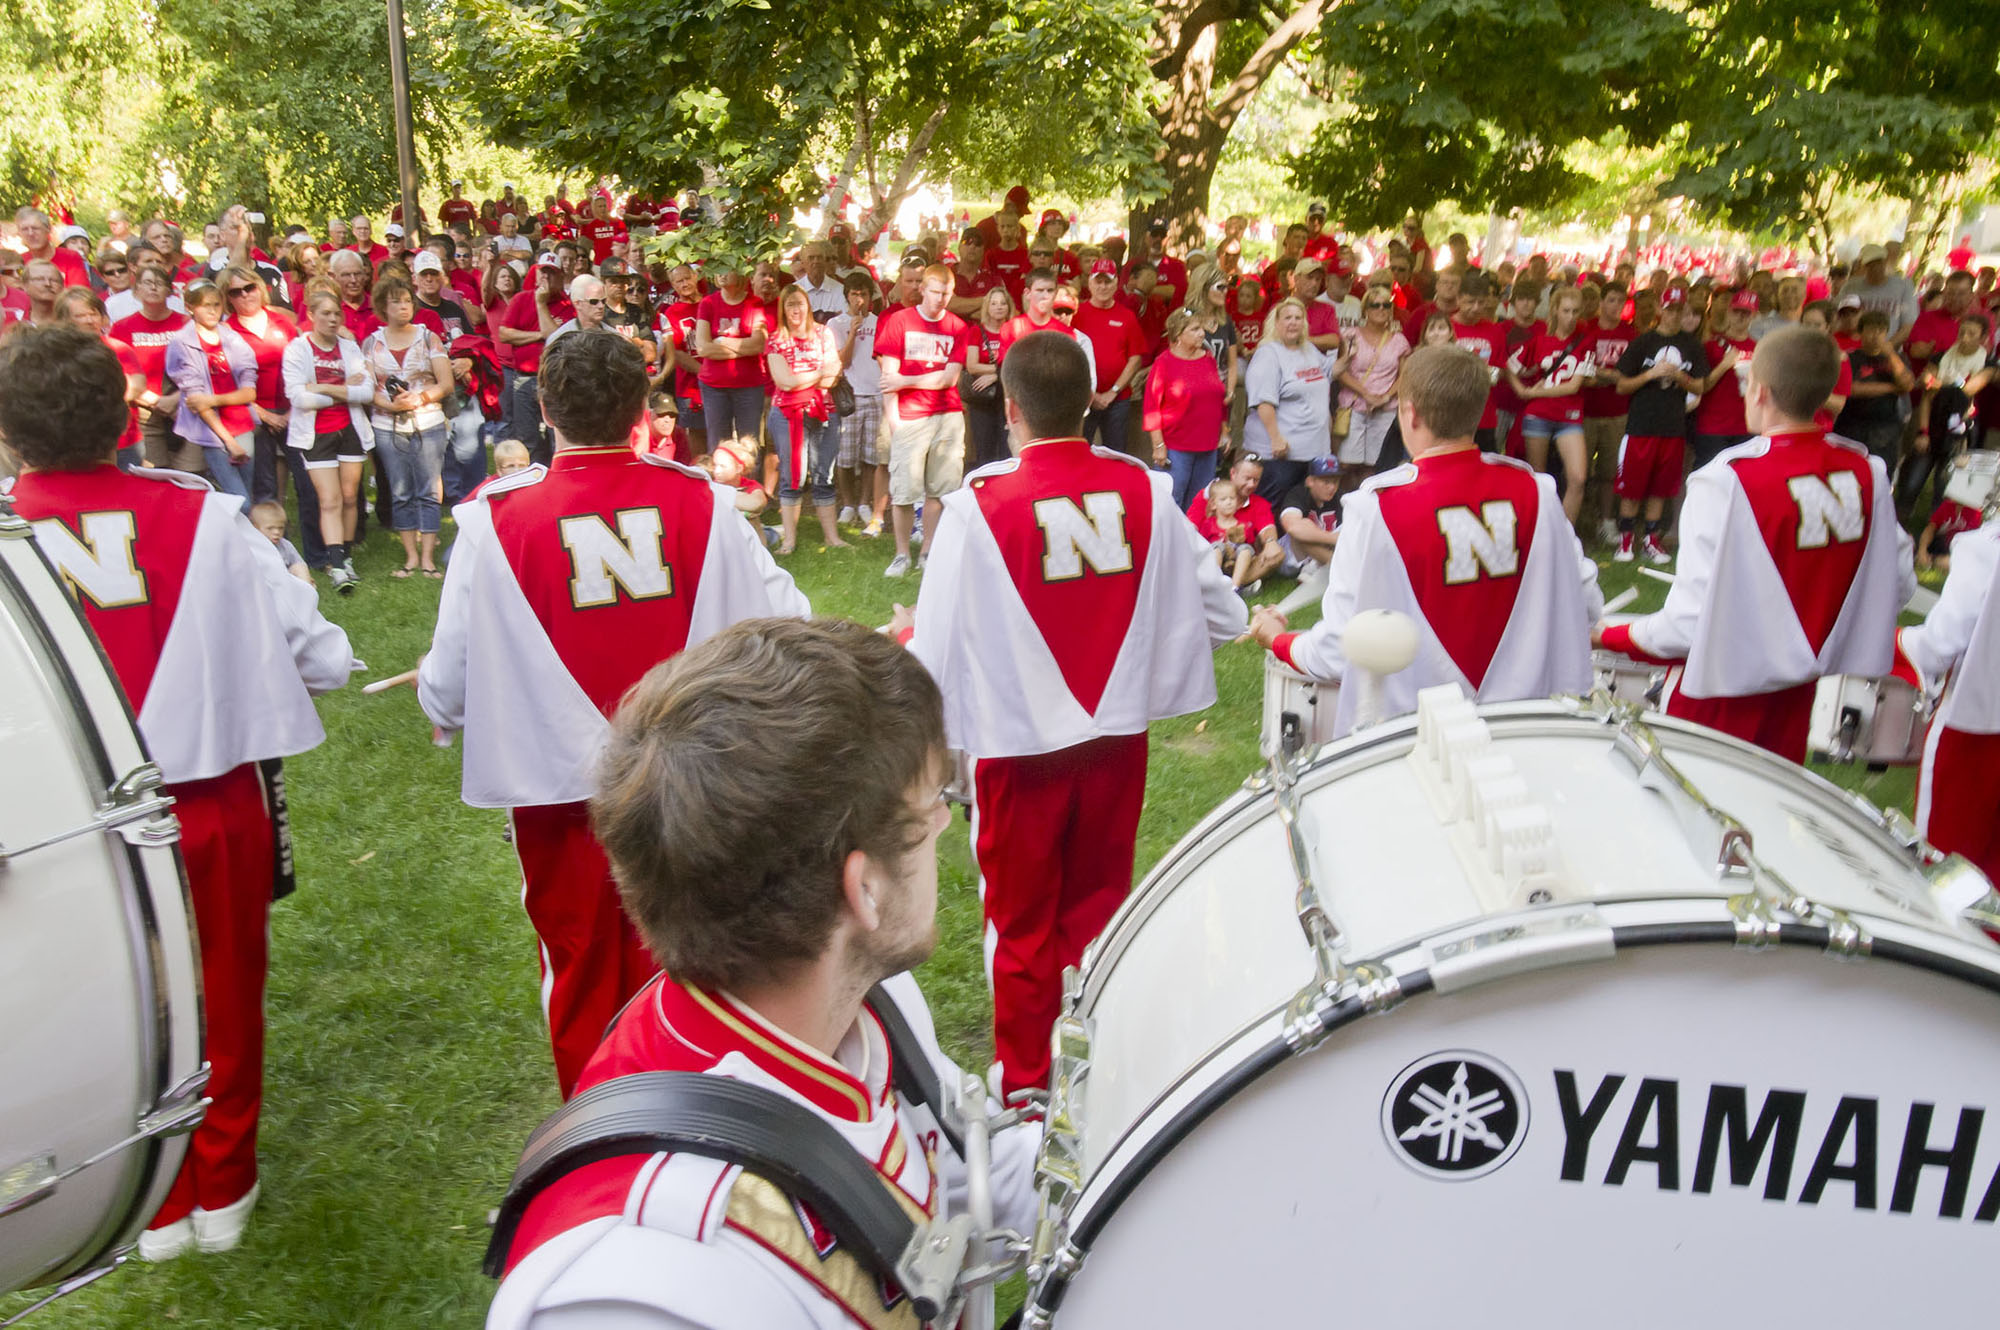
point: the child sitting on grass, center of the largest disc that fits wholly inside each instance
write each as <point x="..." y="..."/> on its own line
<point x="269" y="518"/>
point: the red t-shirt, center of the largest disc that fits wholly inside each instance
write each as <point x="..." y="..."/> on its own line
<point x="360" y="320"/>
<point x="1953" y="518"/>
<point x="675" y="323"/>
<point x="328" y="369"/>
<point x="522" y="316"/>
<point x="279" y="331"/>
<point x="1323" y="246"/>
<point x="979" y="283"/>
<point x="601" y="235"/>
<point x="235" y="419"/>
<point x="745" y="319"/>
<point x="1721" y="409"/>
<point x="1843" y="387"/>
<point x="1516" y="336"/>
<point x="1184" y="401"/>
<point x="459" y="210"/>
<point x="129" y="363"/>
<point x="1488" y="341"/>
<point x="923" y="346"/>
<point x="1010" y="266"/>
<point x="806" y="357"/>
<point x="148" y="341"/>
<point x="1254" y="513"/>
<point x="1607" y="348"/>
<point x="1014" y="329"/>
<point x="1563" y="358"/>
<point x="1115" y="337"/>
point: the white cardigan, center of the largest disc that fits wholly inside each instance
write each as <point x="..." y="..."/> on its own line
<point x="307" y="401"/>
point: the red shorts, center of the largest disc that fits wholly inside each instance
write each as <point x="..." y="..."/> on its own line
<point x="1649" y="466"/>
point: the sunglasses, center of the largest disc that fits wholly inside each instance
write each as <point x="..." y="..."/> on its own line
<point x="119" y="271"/>
<point x="1381" y="304"/>
<point x="241" y="290"/>
<point x="598" y="301"/>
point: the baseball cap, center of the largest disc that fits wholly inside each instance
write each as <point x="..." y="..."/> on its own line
<point x="1103" y="268"/>
<point x="1744" y="300"/>
<point x="1324" y="466"/>
<point x="69" y="233"/>
<point x="1676" y="295"/>
<point x="456" y="183"/>
<point x="547" y="259"/>
<point x="1871" y="254"/>
<point x="393" y="229"/>
<point x="1308" y="264"/>
<point x="1065" y="300"/>
<point x="1050" y="215"/>
<point x="1847" y="303"/>
<point x="837" y="229"/>
<point x="613" y="268"/>
<point x="506" y="184"/>
<point x="1338" y="268"/>
<point x="426" y="261"/>
<point x="1018" y="196"/>
<point x="1317" y="209"/>
<point x="1157" y="227"/>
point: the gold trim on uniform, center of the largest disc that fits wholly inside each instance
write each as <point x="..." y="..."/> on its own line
<point x="760" y="1209"/>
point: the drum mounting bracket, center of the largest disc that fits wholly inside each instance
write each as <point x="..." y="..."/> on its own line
<point x="133" y="809"/>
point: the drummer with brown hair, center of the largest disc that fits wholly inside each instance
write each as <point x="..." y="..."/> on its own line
<point x="1473" y="546"/>
<point x="770" y="944"/>
<point x="192" y="606"/>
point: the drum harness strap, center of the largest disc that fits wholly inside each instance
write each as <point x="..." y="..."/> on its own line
<point x="767" y="1134"/>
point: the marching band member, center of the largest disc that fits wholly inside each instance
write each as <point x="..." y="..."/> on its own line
<point x="218" y="650"/>
<point x="1473" y="546"/>
<point x="566" y="584"/>
<point x="1793" y="520"/>
<point x="1958" y="798"/>
<point x="1068" y="604"/>
<point x="771" y="929"/>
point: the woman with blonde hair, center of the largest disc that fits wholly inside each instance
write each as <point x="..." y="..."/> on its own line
<point x="79" y="305"/>
<point x="1289" y="385"/>
<point x="1208" y="295"/>
<point x="985" y="419"/>
<point x="216" y="372"/>
<point x="1368" y="383"/>
<point x="268" y="332"/>
<point x="327" y="382"/>
<point x="1185" y="410"/>
<point x="803" y="362"/>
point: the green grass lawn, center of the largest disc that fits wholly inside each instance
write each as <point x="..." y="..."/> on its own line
<point x="407" y="1060"/>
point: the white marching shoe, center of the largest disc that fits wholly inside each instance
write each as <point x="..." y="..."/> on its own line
<point x="221" y="1230"/>
<point x="165" y="1243"/>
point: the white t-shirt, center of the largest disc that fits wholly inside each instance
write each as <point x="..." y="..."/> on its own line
<point x="123" y="304"/>
<point x="863" y="374"/>
<point x="1298" y="382"/>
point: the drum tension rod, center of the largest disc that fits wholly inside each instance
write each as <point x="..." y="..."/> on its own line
<point x="1725" y="844"/>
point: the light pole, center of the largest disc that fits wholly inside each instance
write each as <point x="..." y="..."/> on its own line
<point x="406" y="148"/>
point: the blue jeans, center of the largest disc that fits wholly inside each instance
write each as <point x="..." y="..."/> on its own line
<point x="232" y="477"/>
<point x="413" y="461"/>
<point x="465" y="465"/>
<point x="1192" y="472"/>
<point x="264" y="483"/>
<point x="1108" y="425"/>
<point x="732" y="413"/>
<point x="525" y="397"/>
<point x="822" y="446"/>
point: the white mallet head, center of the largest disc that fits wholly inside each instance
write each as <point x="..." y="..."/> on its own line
<point x="1381" y="641"/>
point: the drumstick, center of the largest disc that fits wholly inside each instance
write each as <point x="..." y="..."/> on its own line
<point x="1657" y="575"/>
<point x="395" y="681"/>
<point x="1621" y="600"/>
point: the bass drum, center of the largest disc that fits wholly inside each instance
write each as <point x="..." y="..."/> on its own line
<point x="1524" y="1015"/>
<point x="99" y="989"/>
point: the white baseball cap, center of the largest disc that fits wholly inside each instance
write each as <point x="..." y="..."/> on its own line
<point x="426" y="261"/>
<point x="548" y="259"/>
<point x="69" y="233"/>
<point x="393" y="229"/>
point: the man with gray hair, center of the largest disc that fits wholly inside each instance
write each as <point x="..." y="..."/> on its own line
<point x="364" y="241"/>
<point x="823" y="290"/>
<point x="1879" y="287"/>
<point x="38" y="241"/>
<point x="587" y="294"/>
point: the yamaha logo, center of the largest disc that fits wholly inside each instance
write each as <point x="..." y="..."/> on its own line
<point x="1455" y="1115"/>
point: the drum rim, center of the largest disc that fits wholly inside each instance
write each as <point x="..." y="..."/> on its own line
<point x="145" y="943"/>
<point x="1340" y="758"/>
<point x="1104" y="1189"/>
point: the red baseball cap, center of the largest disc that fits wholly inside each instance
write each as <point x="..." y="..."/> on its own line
<point x="1676" y="295"/>
<point x="1065" y="300"/>
<point x="1745" y="299"/>
<point x="1018" y="196"/>
<point x="1050" y="215"/>
<point x="1103" y="268"/>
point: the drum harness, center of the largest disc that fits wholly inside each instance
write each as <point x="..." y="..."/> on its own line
<point x="716" y="1117"/>
<point x="1765" y="911"/>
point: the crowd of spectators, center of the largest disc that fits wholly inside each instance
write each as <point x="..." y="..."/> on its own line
<point x="864" y="369"/>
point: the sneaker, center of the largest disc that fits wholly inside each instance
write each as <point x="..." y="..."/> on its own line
<point x="1607" y="532"/>
<point x="1655" y="553"/>
<point x="923" y="561"/>
<point x="864" y="513"/>
<point x="874" y="528"/>
<point x="343" y="581"/>
<point x="1249" y="589"/>
<point x="222" y="1230"/>
<point x="164" y="1244"/>
<point x="1624" y="554"/>
<point x="347" y="566"/>
<point x="772" y="535"/>
<point x="898" y="566"/>
<point x="846" y="517"/>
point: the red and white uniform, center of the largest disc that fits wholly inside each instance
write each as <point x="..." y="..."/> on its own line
<point x="675" y="1240"/>
<point x="1475" y="548"/>
<point x="1799" y="521"/>
<point x="1958" y="786"/>
<point x="567" y="584"/>
<point x="218" y="650"/>
<point x="1067" y="605"/>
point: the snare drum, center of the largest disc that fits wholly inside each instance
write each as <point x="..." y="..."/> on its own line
<point x="99" y="983"/>
<point x="1877" y="721"/>
<point x="1568" y="1046"/>
<point x="1311" y="702"/>
<point x="1628" y="680"/>
<point x="1973" y="479"/>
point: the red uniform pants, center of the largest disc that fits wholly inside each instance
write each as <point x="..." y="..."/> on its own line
<point x="1053" y="835"/>
<point x="592" y="958"/>
<point x="1958" y="796"/>
<point x="226" y="844"/>
<point x="1780" y="720"/>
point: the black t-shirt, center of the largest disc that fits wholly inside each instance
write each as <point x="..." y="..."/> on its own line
<point x="1876" y="410"/>
<point x="1218" y="341"/>
<point x="1299" y="499"/>
<point x="451" y="314"/>
<point x="1661" y="408"/>
<point x="631" y="321"/>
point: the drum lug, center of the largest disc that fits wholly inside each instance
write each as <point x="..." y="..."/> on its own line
<point x="179" y="1110"/>
<point x="1960" y="890"/>
<point x="1757" y="924"/>
<point x="13" y="527"/>
<point x="133" y="810"/>
<point x="1845" y="938"/>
